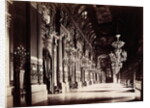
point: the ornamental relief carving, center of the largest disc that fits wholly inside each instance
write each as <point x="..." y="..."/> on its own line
<point x="48" y="12"/>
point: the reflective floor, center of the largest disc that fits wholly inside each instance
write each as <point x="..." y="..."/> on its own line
<point x="98" y="93"/>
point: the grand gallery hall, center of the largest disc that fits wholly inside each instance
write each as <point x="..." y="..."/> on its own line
<point x="63" y="53"/>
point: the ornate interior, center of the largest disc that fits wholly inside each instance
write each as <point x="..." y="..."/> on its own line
<point x="70" y="46"/>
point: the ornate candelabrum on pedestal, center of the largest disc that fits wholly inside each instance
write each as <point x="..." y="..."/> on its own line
<point x="19" y="71"/>
<point x="20" y="56"/>
<point x="117" y="57"/>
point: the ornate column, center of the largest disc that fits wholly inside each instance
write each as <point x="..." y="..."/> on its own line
<point x="60" y="79"/>
<point x="74" y="72"/>
<point x="8" y="19"/>
<point x="40" y="46"/>
<point x="94" y="77"/>
<point x="72" y="68"/>
<point x="54" y="66"/>
<point x="66" y="65"/>
<point x="85" y="72"/>
<point x="55" y="61"/>
<point x="78" y="69"/>
<point x="8" y="56"/>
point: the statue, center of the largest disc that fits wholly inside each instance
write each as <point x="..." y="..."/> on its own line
<point x="47" y="68"/>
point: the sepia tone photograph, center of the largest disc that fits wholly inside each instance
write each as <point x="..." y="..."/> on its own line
<point x="71" y="53"/>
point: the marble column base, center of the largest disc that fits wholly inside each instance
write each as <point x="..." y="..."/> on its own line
<point x="39" y="93"/>
<point x="87" y="83"/>
<point x="9" y="97"/>
<point x="79" y="84"/>
<point x="65" y="87"/>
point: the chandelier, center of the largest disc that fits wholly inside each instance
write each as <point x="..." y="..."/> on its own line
<point x="117" y="57"/>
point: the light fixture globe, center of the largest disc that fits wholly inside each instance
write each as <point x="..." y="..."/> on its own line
<point x="118" y="43"/>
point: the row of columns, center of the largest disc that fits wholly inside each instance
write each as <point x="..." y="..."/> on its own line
<point x="67" y="70"/>
<point x="93" y="77"/>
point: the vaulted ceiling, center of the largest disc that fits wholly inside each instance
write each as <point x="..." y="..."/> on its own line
<point x="100" y="24"/>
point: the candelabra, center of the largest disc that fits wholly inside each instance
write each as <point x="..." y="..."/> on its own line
<point x="20" y="55"/>
<point x="117" y="57"/>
